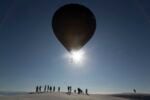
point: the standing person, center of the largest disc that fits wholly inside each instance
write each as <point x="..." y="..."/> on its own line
<point x="50" y="88"/>
<point x="54" y="89"/>
<point x="75" y="91"/>
<point x="40" y="88"/>
<point x="45" y="88"/>
<point x="59" y="89"/>
<point x="86" y="91"/>
<point x="70" y="89"/>
<point x="78" y="91"/>
<point x="36" y="89"/>
<point x="134" y="90"/>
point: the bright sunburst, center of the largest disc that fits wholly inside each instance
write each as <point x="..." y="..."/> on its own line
<point x="77" y="56"/>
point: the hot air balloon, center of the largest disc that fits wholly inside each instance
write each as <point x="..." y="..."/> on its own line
<point x="73" y="25"/>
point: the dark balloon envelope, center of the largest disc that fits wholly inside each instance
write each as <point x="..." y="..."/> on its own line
<point x="73" y="25"/>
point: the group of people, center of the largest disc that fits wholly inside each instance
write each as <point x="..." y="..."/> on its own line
<point x="38" y="89"/>
<point x="47" y="88"/>
<point x="78" y="91"/>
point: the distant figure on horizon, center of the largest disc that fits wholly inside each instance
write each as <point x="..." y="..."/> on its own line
<point x="134" y="90"/>
<point x="37" y="88"/>
<point x="79" y="91"/>
<point x="86" y="91"/>
<point x="45" y="88"/>
<point x="50" y="88"/>
<point x="53" y="88"/>
<point x="59" y="89"/>
<point x="75" y="91"/>
<point x="70" y="89"/>
<point x="40" y="87"/>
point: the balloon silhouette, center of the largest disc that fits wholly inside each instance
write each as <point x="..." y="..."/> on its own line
<point x="73" y="25"/>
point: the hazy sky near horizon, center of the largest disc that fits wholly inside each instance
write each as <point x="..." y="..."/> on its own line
<point x="117" y="58"/>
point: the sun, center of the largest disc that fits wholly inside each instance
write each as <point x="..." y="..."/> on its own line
<point x="77" y="56"/>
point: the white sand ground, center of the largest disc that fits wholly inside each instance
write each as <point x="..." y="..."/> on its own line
<point x="61" y="96"/>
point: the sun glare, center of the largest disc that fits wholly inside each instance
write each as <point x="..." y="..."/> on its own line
<point x="77" y="56"/>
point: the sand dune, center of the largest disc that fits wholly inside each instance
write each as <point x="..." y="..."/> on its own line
<point x="64" y="96"/>
<point x="61" y="96"/>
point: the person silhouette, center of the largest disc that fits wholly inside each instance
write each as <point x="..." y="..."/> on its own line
<point x="54" y="89"/>
<point x="68" y="89"/>
<point x="36" y="90"/>
<point x="78" y="90"/>
<point x="134" y="90"/>
<point x="40" y="88"/>
<point x="81" y="92"/>
<point x="86" y="91"/>
<point x="50" y="88"/>
<point x="45" y="88"/>
<point x="59" y="89"/>
<point x="75" y="91"/>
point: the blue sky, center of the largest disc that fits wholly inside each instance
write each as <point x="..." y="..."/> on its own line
<point x="117" y="56"/>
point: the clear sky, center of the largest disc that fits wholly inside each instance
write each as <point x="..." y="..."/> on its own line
<point x="117" y="58"/>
